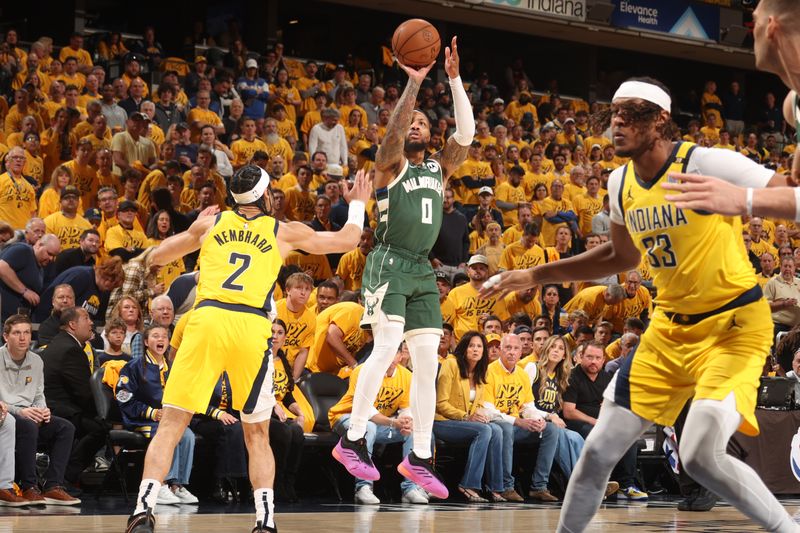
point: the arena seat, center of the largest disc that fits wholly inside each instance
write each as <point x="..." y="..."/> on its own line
<point x="126" y="441"/>
<point x="322" y="391"/>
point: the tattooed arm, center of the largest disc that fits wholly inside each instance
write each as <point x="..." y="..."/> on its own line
<point x="455" y="151"/>
<point x="390" y="159"/>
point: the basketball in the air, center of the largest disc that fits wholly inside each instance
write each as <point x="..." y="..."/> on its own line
<point x="416" y="43"/>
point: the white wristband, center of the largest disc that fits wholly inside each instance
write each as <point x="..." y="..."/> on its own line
<point x="355" y="213"/>
<point x="748" y="203"/>
<point x="797" y="203"/>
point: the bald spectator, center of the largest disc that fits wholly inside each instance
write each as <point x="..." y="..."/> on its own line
<point x="63" y="297"/>
<point x="328" y="136"/>
<point x="22" y="274"/>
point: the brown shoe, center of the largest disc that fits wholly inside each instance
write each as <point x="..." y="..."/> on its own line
<point x="9" y="498"/>
<point x="542" y="496"/>
<point x="58" y="496"/>
<point x="511" y="495"/>
<point x="34" y="496"/>
<point x="611" y="488"/>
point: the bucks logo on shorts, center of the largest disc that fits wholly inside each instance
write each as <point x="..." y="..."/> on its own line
<point x="398" y="279"/>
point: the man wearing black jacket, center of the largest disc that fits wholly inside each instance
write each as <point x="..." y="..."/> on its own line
<point x="67" y="371"/>
<point x="451" y="250"/>
<point x="83" y="255"/>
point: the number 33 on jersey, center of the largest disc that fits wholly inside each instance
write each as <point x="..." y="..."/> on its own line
<point x="698" y="260"/>
<point x="237" y="257"/>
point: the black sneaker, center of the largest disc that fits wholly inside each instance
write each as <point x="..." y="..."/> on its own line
<point x="700" y="500"/>
<point x="141" y="523"/>
<point x="353" y="454"/>
<point x="260" y="528"/>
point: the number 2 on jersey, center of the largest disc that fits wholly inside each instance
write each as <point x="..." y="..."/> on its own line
<point x="234" y="260"/>
<point x="659" y="251"/>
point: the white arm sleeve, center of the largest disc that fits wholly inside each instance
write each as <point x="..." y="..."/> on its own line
<point x="465" y="122"/>
<point x="614" y="183"/>
<point x="730" y="166"/>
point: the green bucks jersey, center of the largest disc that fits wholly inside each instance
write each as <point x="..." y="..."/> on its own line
<point x="410" y="208"/>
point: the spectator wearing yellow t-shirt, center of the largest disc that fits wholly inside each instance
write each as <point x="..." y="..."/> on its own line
<point x="67" y="224"/>
<point x="337" y="338"/>
<point x="76" y="50"/>
<point x="124" y="240"/>
<point x="248" y="144"/>
<point x="17" y="195"/>
<point x="203" y="116"/>
<point x="300" y="321"/>
<point x="468" y="306"/>
<point x="351" y="265"/>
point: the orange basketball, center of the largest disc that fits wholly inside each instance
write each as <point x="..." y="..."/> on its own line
<point x="416" y="43"/>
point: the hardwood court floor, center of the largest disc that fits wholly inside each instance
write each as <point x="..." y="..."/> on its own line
<point x="657" y="517"/>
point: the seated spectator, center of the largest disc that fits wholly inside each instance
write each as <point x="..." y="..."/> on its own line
<point x="67" y="371"/>
<point x="582" y="400"/>
<point x="509" y="400"/>
<point x="22" y="391"/>
<point x="783" y="295"/>
<point x="351" y="265"/>
<point x="637" y="303"/>
<point x="493" y="248"/>
<point x="162" y="313"/>
<point x="21" y="274"/>
<point x="50" y="201"/>
<point x="391" y="423"/>
<point x="525" y="334"/>
<point x="131" y="148"/>
<point x="92" y="286"/>
<point x="127" y="309"/>
<point x="33" y="231"/>
<point x="467" y="305"/>
<point x="795" y="371"/>
<point x="551" y="309"/>
<point x="525" y="252"/>
<point x="492" y="325"/>
<point x="549" y="384"/>
<point x="460" y="418"/>
<point x="632" y="325"/>
<point x="124" y="239"/>
<point x="291" y="416"/>
<point x="114" y="335"/>
<point x="576" y="320"/>
<point x="338" y="336"/>
<point x="529" y="364"/>
<point x="627" y="343"/>
<point x="66" y="223"/>
<point x="63" y="297"/>
<point x="139" y="281"/>
<point x="603" y="332"/>
<point x="593" y="300"/>
<point x="139" y="392"/>
<point x="84" y="254"/>
<point x="8" y="432"/>
<point x="299" y="320"/>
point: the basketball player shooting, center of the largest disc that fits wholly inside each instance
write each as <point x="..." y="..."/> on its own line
<point x="399" y="287"/>
<point x="711" y="330"/>
<point x="241" y="253"/>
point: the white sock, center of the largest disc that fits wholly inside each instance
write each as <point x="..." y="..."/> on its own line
<point x="388" y="336"/>
<point x="148" y="494"/>
<point x="423" y="349"/>
<point x="265" y="507"/>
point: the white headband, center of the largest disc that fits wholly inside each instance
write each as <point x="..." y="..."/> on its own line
<point x="645" y="91"/>
<point x="255" y="193"/>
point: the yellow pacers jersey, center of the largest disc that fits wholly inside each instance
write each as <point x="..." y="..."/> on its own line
<point x="698" y="260"/>
<point x="240" y="261"/>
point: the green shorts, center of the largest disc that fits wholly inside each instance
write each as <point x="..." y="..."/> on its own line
<point x="402" y="285"/>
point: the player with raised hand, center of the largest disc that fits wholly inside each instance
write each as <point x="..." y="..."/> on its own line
<point x="401" y="299"/>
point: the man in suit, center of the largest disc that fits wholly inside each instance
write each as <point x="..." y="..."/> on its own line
<point x="67" y="370"/>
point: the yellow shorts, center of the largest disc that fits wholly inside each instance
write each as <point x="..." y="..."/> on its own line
<point x="218" y="340"/>
<point x="722" y="354"/>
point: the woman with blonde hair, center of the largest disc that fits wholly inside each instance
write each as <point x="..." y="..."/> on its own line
<point x="129" y="311"/>
<point x="50" y="201"/>
<point x="551" y="380"/>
